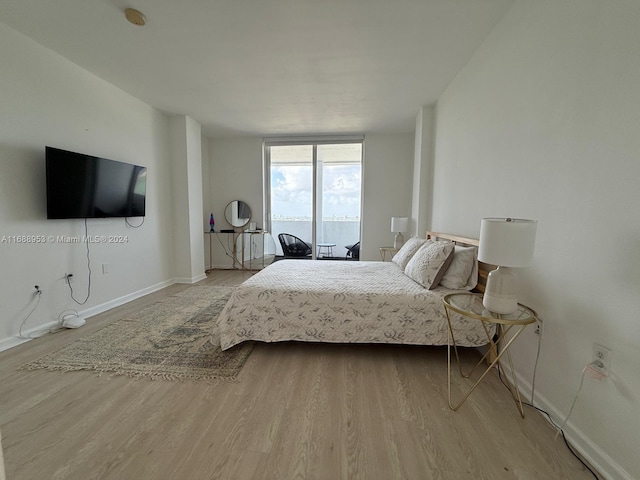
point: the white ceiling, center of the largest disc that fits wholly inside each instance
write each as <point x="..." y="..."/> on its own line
<point x="270" y="67"/>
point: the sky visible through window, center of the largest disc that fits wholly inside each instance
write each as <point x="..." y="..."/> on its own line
<point x="292" y="176"/>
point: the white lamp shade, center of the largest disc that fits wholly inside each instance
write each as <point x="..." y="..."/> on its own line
<point x="507" y="242"/>
<point x="399" y="224"/>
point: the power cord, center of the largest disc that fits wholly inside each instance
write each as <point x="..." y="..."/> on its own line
<point x="69" y="275"/>
<point x="38" y="295"/>
<point x="535" y="365"/>
<point x="65" y="315"/>
<point x="575" y="399"/>
<point x="226" y="248"/>
<point x="566" y="442"/>
<point x="559" y="429"/>
<point x="40" y="333"/>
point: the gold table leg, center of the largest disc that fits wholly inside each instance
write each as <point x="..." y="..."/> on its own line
<point x="496" y="361"/>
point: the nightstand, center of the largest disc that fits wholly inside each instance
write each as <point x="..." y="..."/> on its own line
<point x="390" y="250"/>
<point x="469" y="305"/>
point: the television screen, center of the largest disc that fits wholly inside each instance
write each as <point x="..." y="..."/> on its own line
<point x="83" y="186"/>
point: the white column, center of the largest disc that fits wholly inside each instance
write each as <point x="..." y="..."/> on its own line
<point x="422" y="166"/>
<point x="186" y="185"/>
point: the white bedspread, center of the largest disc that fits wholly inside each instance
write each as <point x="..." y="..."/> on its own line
<point x="341" y="302"/>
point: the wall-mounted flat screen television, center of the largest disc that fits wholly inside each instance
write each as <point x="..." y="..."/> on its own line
<point x="84" y="186"/>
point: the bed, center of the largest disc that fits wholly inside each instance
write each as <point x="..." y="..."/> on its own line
<point x="345" y="302"/>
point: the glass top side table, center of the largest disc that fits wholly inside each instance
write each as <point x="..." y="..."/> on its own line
<point x="387" y="250"/>
<point x="470" y="305"/>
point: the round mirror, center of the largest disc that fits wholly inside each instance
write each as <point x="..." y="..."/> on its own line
<point x="237" y="213"/>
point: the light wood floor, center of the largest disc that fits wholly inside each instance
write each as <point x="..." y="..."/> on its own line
<point x="305" y="411"/>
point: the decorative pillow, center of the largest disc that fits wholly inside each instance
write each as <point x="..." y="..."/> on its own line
<point x="460" y="274"/>
<point x="408" y="250"/>
<point x="429" y="264"/>
<point x="473" y="278"/>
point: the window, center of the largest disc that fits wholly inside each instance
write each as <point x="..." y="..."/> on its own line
<point x="313" y="191"/>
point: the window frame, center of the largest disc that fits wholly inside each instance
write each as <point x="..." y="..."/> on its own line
<point x="314" y="141"/>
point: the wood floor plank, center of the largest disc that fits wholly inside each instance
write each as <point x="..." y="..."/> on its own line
<point x="297" y="410"/>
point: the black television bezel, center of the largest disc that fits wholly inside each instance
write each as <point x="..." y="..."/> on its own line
<point x="52" y="185"/>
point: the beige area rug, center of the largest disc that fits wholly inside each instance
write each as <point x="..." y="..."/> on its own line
<point x="170" y="340"/>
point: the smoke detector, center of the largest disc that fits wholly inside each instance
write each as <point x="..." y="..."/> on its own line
<point x="134" y="16"/>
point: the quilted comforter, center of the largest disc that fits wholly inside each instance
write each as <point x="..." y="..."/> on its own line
<point x="340" y="302"/>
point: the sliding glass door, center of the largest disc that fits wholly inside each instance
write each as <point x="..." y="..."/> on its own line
<point x="292" y="193"/>
<point x="314" y="194"/>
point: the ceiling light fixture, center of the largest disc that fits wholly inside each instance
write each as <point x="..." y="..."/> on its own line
<point x="134" y="16"/>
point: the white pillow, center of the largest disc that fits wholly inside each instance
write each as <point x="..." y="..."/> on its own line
<point x="408" y="250"/>
<point x="462" y="274"/>
<point x="429" y="264"/>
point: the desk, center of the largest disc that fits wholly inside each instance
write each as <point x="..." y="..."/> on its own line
<point x="328" y="249"/>
<point x="249" y="250"/>
<point x="210" y="269"/>
<point x="470" y="305"/>
<point x="211" y="234"/>
<point x="254" y="249"/>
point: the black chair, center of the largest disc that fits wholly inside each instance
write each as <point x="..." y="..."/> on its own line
<point x="293" y="247"/>
<point x="353" y="251"/>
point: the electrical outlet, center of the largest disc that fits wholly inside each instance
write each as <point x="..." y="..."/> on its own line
<point x="601" y="359"/>
<point x="105" y="268"/>
<point x="538" y="329"/>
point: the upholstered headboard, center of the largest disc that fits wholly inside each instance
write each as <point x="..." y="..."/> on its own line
<point x="483" y="268"/>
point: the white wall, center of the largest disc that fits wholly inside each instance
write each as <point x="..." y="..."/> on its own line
<point x="47" y="100"/>
<point x="235" y="173"/>
<point x="387" y="189"/>
<point x="543" y="123"/>
<point x="235" y="169"/>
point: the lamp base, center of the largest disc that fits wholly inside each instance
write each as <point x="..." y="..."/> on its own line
<point x="500" y="294"/>
<point x="398" y="241"/>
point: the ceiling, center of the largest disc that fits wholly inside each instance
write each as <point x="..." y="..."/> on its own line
<point x="270" y="67"/>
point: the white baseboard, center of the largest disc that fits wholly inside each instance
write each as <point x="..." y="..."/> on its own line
<point x="116" y="302"/>
<point x="11" y="342"/>
<point x="195" y="279"/>
<point x="597" y="459"/>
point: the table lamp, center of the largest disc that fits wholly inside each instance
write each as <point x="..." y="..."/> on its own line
<point x="506" y="243"/>
<point x="399" y="225"/>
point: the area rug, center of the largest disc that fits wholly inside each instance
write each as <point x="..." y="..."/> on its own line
<point x="174" y="339"/>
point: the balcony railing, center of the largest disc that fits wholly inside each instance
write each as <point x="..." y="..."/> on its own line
<point x="338" y="231"/>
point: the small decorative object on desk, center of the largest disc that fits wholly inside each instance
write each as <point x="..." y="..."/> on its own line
<point x="211" y="223"/>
